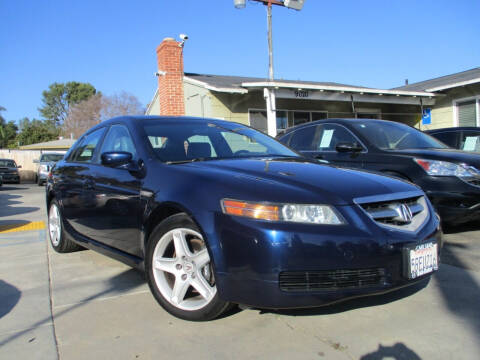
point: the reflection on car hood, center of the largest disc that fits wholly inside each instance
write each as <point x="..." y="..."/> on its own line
<point x="286" y="178"/>
<point x="452" y="155"/>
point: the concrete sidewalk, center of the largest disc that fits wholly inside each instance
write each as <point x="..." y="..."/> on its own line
<point x="84" y="305"/>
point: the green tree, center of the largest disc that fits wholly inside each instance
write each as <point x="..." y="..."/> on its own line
<point x="59" y="97"/>
<point x="35" y="131"/>
<point x="8" y="131"/>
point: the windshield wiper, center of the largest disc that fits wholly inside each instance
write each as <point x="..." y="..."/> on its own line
<point x="184" y="161"/>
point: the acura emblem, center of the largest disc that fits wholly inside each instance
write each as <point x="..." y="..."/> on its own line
<point x="405" y="213"/>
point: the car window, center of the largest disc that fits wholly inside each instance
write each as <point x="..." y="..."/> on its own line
<point x="86" y="148"/>
<point x="328" y="136"/>
<point x="470" y="141"/>
<point x="118" y="139"/>
<point x="447" y="137"/>
<point x="240" y="144"/>
<point x="7" y="163"/>
<point x="208" y="141"/>
<point x="51" y="157"/>
<point x="302" y="139"/>
<point x="197" y="141"/>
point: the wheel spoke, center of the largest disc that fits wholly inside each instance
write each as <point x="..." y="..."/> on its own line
<point x="179" y="290"/>
<point x="203" y="287"/>
<point x="201" y="258"/>
<point x="167" y="265"/>
<point x="180" y="242"/>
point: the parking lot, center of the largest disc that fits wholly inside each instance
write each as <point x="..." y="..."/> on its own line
<point x="83" y="305"/>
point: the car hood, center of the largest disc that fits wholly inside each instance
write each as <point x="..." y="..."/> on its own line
<point x="301" y="180"/>
<point x="451" y="155"/>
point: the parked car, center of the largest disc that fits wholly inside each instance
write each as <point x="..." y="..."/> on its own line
<point x="9" y="171"/>
<point x="463" y="138"/>
<point x="449" y="177"/>
<point x="217" y="213"/>
<point x="45" y="163"/>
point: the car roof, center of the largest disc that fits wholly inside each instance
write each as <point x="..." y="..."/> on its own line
<point x="167" y="119"/>
<point x="460" y="128"/>
<point x="342" y="121"/>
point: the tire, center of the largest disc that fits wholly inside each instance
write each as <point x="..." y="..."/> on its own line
<point x="56" y="233"/>
<point x="179" y="271"/>
<point x="39" y="181"/>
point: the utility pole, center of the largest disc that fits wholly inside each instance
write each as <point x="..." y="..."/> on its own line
<point x="269" y="92"/>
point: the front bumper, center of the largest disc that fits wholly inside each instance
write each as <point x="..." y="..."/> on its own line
<point x="255" y="255"/>
<point x="10" y="177"/>
<point x="456" y="201"/>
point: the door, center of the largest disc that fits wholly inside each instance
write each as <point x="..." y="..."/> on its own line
<point x="75" y="179"/>
<point x="330" y="142"/>
<point x="116" y="219"/>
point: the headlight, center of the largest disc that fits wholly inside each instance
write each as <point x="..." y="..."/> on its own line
<point x="444" y="168"/>
<point x="309" y="214"/>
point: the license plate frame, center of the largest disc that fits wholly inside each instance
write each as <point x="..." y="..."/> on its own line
<point x="420" y="259"/>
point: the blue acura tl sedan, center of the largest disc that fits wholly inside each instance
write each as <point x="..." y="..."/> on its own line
<point x="217" y="213"/>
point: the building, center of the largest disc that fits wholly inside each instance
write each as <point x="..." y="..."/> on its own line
<point x="458" y="100"/>
<point x="243" y="99"/>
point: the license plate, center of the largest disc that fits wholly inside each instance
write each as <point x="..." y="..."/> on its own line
<point x="422" y="259"/>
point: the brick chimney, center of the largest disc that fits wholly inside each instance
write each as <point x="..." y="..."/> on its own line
<point x="170" y="78"/>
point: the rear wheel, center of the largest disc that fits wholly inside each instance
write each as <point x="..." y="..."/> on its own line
<point x="179" y="271"/>
<point x="59" y="241"/>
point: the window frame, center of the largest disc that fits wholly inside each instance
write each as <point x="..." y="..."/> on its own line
<point x="109" y="127"/>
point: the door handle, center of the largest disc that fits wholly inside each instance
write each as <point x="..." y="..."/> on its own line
<point x="318" y="156"/>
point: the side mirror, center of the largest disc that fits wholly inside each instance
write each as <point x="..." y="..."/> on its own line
<point x="116" y="159"/>
<point x="348" y="147"/>
<point x="19" y="166"/>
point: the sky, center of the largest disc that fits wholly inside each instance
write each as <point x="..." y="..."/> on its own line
<point x="111" y="43"/>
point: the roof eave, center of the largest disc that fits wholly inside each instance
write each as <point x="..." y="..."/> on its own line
<point x="214" y="88"/>
<point x="454" y="85"/>
<point x="305" y="86"/>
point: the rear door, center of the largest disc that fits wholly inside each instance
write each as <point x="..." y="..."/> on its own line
<point x="75" y="179"/>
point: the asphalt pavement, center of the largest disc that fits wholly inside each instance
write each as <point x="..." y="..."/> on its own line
<point x="86" y="306"/>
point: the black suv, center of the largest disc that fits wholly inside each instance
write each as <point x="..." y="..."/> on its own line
<point x="450" y="177"/>
<point x="463" y="138"/>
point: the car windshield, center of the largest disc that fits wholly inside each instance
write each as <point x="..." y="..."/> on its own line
<point x="395" y="136"/>
<point x="51" y="157"/>
<point x="177" y="141"/>
<point x="7" y="163"/>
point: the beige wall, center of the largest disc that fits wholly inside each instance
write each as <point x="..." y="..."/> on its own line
<point x="442" y="111"/>
<point x="25" y="159"/>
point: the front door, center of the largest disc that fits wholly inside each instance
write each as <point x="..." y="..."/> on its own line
<point x="116" y="219"/>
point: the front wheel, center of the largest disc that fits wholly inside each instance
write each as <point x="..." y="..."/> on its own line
<point x="179" y="271"/>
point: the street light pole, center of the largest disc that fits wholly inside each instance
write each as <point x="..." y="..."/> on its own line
<point x="269" y="92"/>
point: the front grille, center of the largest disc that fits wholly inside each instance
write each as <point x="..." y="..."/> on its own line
<point x="331" y="279"/>
<point x="405" y="214"/>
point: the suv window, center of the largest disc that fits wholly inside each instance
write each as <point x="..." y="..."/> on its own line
<point x="302" y="139"/>
<point x="470" y="141"/>
<point x="328" y="136"/>
<point x="448" y="137"/>
<point x="118" y="139"/>
<point x="85" y="149"/>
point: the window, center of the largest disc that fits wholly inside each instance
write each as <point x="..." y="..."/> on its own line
<point x="330" y="135"/>
<point x="467" y="113"/>
<point x="119" y="139"/>
<point x="204" y="141"/>
<point x="258" y="120"/>
<point x="86" y="148"/>
<point x="448" y="137"/>
<point x="243" y="144"/>
<point x="470" y="141"/>
<point x="302" y="139"/>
